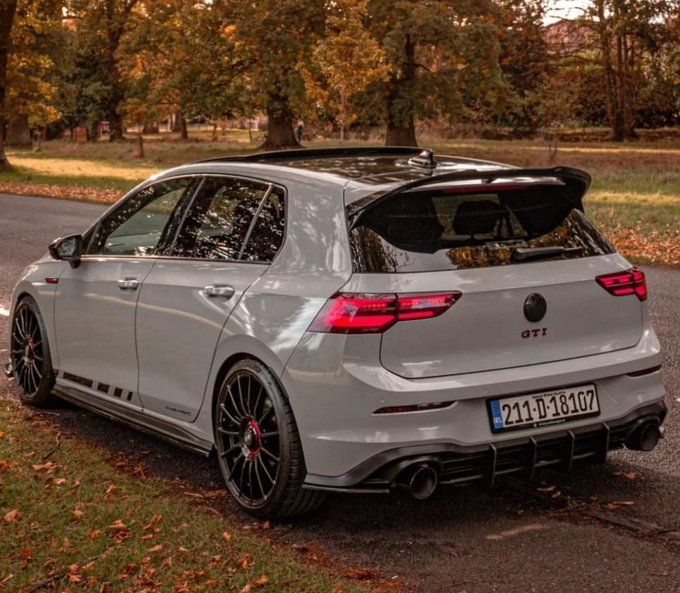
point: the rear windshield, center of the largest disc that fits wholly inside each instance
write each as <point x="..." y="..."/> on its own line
<point x="447" y="230"/>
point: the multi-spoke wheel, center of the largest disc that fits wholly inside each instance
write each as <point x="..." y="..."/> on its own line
<point x="30" y="354"/>
<point x="258" y="444"/>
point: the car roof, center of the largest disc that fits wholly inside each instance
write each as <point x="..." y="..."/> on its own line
<point x="365" y="165"/>
<point x="361" y="172"/>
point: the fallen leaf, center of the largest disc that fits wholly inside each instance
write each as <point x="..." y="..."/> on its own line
<point x="362" y="574"/>
<point x="117" y="525"/>
<point x="157" y="548"/>
<point x="12" y="515"/>
<point x="261" y="581"/>
<point x="4" y="465"/>
<point x="246" y="562"/>
<point x="48" y="467"/>
<point x="2" y="434"/>
<point x="516" y="531"/>
<point x="77" y="513"/>
<point x="60" y="481"/>
<point x="247" y="589"/>
<point x="226" y="536"/>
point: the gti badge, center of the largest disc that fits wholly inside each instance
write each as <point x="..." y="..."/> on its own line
<point x="535" y="307"/>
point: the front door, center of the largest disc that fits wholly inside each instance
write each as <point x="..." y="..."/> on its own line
<point x="186" y="299"/>
<point x="96" y="302"/>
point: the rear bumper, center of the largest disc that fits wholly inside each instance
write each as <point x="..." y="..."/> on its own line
<point x="522" y="456"/>
<point x="335" y="384"/>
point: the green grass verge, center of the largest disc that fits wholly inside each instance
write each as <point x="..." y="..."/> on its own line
<point x="75" y="522"/>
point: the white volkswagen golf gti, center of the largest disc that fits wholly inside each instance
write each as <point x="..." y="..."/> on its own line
<point x="354" y="320"/>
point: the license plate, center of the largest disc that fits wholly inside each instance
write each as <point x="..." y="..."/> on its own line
<point x="540" y="409"/>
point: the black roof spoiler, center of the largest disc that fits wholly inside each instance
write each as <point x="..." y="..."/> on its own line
<point x="576" y="181"/>
<point x="319" y="153"/>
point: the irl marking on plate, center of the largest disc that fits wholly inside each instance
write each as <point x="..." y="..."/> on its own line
<point x="4" y="312"/>
<point x="496" y="414"/>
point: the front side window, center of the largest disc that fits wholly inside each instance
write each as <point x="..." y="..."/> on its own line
<point x="137" y="226"/>
<point x="233" y="219"/>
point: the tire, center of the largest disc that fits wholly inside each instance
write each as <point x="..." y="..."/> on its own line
<point x="258" y="445"/>
<point x="30" y="355"/>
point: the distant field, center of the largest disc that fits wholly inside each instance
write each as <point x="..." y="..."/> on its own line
<point x="635" y="193"/>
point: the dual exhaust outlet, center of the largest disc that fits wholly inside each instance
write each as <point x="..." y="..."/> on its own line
<point x="420" y="478"/>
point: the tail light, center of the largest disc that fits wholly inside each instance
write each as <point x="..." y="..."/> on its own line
<point x="625" y="283"/>
<point x="347" y="313"/>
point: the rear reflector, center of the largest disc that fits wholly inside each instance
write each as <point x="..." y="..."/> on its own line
<point x="413" y="408"/>
<point x="643" y="372"/>
<point x="347" y="313"/>
<point x="625" y="283"/>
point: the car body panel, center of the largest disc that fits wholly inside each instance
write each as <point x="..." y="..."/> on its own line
<point x="95" y="321"/>
<point x="486" y="328"/>
<point x="178" y="321"/>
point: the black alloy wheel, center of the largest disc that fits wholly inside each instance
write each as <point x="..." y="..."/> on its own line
<point x="258" y="445"/>
<point x="30" y="355"/>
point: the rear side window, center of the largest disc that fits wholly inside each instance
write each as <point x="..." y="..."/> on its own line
<point x="233" y="219"/>
<point x="448" y="230"/>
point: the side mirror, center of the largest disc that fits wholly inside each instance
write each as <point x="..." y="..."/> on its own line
<point x="68" y="249"/>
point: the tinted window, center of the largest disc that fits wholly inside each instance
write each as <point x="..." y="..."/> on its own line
<point x="137" y="226"/>
<point x="419" y="232"/>
<point x="266" y="238"/>
<point x="220" y="218"/>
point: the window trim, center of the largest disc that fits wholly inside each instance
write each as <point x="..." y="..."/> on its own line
<point x="189" y="198"/>
<point x="162" y="242"/>
<point x="270" y="186"/>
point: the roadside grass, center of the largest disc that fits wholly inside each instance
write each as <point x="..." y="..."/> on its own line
<point x="635" y="193"/>
<point x="71" y="520"/>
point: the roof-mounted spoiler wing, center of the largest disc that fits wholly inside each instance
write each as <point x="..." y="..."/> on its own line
<point x="576" y="181"/>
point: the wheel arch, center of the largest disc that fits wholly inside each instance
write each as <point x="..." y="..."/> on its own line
<point x="249" y="349"/>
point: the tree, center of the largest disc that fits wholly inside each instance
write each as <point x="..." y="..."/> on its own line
<point x="7" y="11"/>
<point x="32" y="95"/>
<point x="348" y="59"/>
<point x="100" y="27"/>
<point x="172" y="71"/>
<point x="276" y="39"/>
<point x="525" y="62"/>
<point x="625" y="31"/>
<point x="441" y="54"/>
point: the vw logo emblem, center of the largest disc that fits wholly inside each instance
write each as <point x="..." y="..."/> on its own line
<point x="535" y="307"/>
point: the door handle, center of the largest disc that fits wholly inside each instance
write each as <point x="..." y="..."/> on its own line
<point x="128" y="284"/>
<point x="219" y="290"/>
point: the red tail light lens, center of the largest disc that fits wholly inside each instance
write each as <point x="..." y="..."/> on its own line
<point x="375" y="313"/>
<point x="625" y="283"/>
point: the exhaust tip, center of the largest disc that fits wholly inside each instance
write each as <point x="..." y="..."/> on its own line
<point x="419" y="480"/>
<point x="645" y="436"/>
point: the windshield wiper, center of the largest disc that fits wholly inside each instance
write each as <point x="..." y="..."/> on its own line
<point x="527" y="253"/>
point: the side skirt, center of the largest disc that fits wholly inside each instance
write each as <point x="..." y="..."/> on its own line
<point x="142" y="422"/>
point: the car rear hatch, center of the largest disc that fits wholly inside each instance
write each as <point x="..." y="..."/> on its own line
<point x="508" y="266"/>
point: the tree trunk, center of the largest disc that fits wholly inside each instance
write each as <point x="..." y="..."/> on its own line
<point x="18" y="131"/>
<point x="115" y="126"/>
<point x="280" y="133"/>
<point x="140" y="146"/>
<point x="401" y="127"/>
<point x="7" y="10"/>
<point x="183" y="131"/>
<point x="150" y="128"/>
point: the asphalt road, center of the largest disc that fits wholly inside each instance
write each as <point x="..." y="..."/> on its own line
<point x="509" y="538"/>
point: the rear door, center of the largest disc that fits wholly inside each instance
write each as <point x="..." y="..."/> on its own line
<point x="519" y="304"/>
<point x="232" y="230"/>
